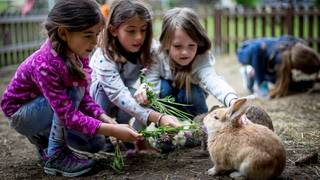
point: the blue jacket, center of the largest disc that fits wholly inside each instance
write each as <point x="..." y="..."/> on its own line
<point x="264" y="54"/>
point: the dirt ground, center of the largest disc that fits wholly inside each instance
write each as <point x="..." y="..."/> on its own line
<point x="295" y="117"/>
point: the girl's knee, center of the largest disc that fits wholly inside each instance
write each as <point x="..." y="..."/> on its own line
<point x="198" y="93"/>
<point x="165" y="88"/>
<point x="199" y="97"/>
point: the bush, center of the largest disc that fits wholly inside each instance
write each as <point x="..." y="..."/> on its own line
<point x="248" y="3"/>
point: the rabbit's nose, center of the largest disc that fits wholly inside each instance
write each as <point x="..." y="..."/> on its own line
<point x="204" y="129"/>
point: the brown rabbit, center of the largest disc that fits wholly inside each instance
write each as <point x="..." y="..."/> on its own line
<point x="254" y="113"/>
<point x="235" y="143"/>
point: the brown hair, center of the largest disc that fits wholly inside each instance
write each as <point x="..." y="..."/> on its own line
<point x="300" y="57"/>
<point x="188" y="21"/>
<point x="75" y="16"/>
<point x="120" y="12"/>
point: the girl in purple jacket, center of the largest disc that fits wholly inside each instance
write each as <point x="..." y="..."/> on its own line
<point x="48" y="100"/>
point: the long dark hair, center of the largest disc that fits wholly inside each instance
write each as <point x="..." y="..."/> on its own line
<point x="75" y="16"/>
<point x="120" y="12"/>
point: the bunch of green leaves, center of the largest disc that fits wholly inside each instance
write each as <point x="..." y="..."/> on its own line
<point x="166" y="105"/>
<point x="117" y="163"/>
<point x="157" y="132"/>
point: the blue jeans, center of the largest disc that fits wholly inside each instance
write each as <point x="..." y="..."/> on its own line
<point x="34" y="120"/>
<point x="197" y="97"/>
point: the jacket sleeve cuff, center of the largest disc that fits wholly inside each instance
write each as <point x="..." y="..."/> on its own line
<point x="145" y="116"/>
<point x="230" y="96"/>
<point x="97" y="113"/>
<point x="95" y="127"/>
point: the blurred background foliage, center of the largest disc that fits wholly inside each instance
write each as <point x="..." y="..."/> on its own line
<point x="43" y="6"/>
<point x="21" y="22"/>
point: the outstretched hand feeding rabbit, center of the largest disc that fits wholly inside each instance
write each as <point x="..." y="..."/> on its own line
<point x="235" y="143"/>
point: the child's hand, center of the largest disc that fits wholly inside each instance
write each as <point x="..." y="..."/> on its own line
<point x="168" y="120"/>
<point x="141" y="94"/>
<point x="125" y="133"/>
<point x="120" y="131"/>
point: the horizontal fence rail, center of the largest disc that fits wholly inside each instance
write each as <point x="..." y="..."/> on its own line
<point x="20" y="36"/>
<point x="227" y="28"/>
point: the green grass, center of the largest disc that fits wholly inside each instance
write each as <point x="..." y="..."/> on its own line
<point x="3" y="6"/>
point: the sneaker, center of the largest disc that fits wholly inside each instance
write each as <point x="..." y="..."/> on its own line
<point x="65" y="162"/>
<point x="262" y="91"/>
<point x="247" y="74"/>
<point x="42" y="156"/>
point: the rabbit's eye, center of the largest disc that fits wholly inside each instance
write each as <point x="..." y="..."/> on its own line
<point x="215" y="117"/>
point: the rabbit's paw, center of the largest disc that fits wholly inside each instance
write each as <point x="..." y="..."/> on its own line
<point x="212" y="171"/>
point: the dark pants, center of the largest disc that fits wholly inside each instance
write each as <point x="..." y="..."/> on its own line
<point x="197" y="97"/>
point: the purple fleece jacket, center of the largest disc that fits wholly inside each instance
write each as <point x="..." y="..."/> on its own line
<point x="45" y="73"/>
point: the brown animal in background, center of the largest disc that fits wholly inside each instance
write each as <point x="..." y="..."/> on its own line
<point x="259" y="116"/>
<point x="235" y="143"/>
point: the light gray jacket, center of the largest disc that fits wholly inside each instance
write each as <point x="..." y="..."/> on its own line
<point x="115" y="79"/>
<point x="203" y="74"/>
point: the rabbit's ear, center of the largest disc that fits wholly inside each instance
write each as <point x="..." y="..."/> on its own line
<point x="215" y="107"/>
<point x="237" y="110"/>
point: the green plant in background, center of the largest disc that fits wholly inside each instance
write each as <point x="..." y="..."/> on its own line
<point x="3" y="6"/>
<point x="248" y="3"/>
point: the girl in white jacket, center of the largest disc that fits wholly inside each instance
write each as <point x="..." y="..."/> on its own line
<point x="124" y="49"/>
<point x="183" y="64"/>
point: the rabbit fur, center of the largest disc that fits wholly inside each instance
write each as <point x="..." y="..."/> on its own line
<point x="235" y="143"/>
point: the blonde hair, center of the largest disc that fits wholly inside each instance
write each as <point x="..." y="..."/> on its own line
<point x="300" y="57"/>
<point x="120" y="12"/>
<point x="187" y="20"/>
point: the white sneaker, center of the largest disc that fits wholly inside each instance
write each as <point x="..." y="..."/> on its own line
<point x="247" y="74"/>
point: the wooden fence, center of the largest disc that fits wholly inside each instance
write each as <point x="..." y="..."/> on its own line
<point x="227" y="28"/>
<point x="231" y="27"/>
<point x="20" y="36"/>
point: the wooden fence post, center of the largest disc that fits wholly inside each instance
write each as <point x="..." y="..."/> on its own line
<point x="301" y="21"/>
<point x="273" y="20"/>
<point x="217" y="30"/>
<point x="264" y="21"/>
<point x="227" y="38"/>
<point x="310" y="26"/>
<point x="318" y="36"/>
<point x="290" y="19"/>
<point x="236" y="27"/>
<point x="254" y="22"/>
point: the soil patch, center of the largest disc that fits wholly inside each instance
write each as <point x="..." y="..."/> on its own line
<point x="295" y="117"/>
